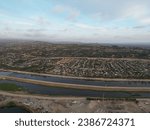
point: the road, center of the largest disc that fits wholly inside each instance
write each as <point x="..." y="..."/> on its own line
<point x="39" y="96"/>
<point x="84" y="78"/>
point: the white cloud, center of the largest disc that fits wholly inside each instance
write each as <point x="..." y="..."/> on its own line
<point x="84" y="26"/>
<point x="72" y="12"/>
<point x="58" y="9"/>
<point x="136" y="11"/>
<point x="73" y="15"/>
<point x="100" y="20"/>
<point x="109" y="10"/>
<point x="40" y="20"/>
<point x="140" y="13"/>
<point x="89" y="27"/>
<point x="145" y="20"/>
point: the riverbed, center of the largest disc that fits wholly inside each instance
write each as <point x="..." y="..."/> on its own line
<point x="60" y="91"/>
<point x="78" y="81"/>
<point x="56" y="91"/>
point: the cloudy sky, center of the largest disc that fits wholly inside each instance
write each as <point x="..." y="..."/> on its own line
<point x="76" y="20"/>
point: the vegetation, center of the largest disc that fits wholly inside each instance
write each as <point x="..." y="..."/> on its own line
<point x="10" y="104"/>
<point x="10" y="87"/>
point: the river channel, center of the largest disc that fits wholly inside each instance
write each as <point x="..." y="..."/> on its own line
<point x="14" y="109"/>
<point x="78" y="81"/>
<point x="56" y="91"/>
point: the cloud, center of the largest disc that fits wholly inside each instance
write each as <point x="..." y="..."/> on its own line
<point x="58" y="9"/>
<point x="110" y="10"/>
<point x="89" y="27"/>
<point x="145" y="20"/>
<point x="84" y="26"/>
<point x="140" y="27"/>
<point x="36" y="30"/>
<point x="85" y="20"/>
<point x="136" y="11"/>
<point x="72" y="13"/>
<point x="140" y="13"/>
<point x="42" y="21"/>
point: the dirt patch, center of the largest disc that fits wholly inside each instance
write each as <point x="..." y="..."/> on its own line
<point x="66" y="104"/>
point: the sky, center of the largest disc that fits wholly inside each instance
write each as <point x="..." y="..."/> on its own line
<point x="97" y="21"/>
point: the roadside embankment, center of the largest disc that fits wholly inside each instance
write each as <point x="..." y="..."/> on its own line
<point x="43" y="104"/>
